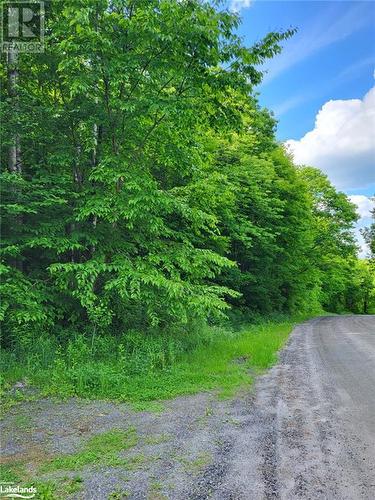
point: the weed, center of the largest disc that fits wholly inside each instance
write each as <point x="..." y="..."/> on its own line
<point x="100" y="449"/>
<point x="209" y="412"/>
<point x="201" y="461"/>
<point x="151" y="406"/>
<point x="144" y="369"/>
<point x="22" y="421"/>
<point x="233" y="421"/>
<point x="16" y="473"/>
<point x="156" y="486"/>
<point x="74" y="485"/>
<point x="118" y="495"/>
<point x="135" y="462"/>
<point x="155" y="491"/>
<point x="157" y="439"/>
<point x="45" y="490"/>
<point x="11" y="473"/>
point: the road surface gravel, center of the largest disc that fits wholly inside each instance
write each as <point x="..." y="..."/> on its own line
<point x="305" y="431"/>
<point x="310" y="432"/>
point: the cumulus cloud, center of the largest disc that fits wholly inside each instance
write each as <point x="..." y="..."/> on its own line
<point x="237" y="5"/>
<point x="364" y="207"/>
<point x="342" y="143"/>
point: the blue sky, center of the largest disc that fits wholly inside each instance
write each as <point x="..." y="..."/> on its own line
<point x="321" y="88"/>
<point x="331" y="57"/>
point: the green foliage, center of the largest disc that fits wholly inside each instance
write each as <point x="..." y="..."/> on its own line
<point x="205" y="359"/>
<point x="345" y="282"/>
<point x="100" y="449"/>
<point x="369" y="235"/>
<point x="46" y="490"/>
<point x="10" y="473"/>
<point x="100" y="224"/>
<point x="146" y="193"/>
<point x="267" y="223"/>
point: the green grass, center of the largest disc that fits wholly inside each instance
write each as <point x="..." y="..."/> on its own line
<point x="11" y="473"/>
<point x="118" y="495"/>
<point x="157" y="439"/>
<point x="22" y="422"/>
<point x="145" y="369"/>
<point x="74" y="485"/>
<point x="197" y="464"/>
<point x="102" y="449"/>
<point x="16" y="473"/>
<point x="58" y="489"/>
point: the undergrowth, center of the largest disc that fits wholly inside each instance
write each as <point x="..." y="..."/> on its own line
<point x="142" y="368"/>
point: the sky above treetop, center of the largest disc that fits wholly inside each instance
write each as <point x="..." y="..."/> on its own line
<point x="321" y="87"/>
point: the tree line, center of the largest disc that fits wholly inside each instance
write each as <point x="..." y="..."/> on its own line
<point x="143" y="186"/>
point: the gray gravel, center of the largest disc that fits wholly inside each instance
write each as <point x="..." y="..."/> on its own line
<point x="306" y="431"/>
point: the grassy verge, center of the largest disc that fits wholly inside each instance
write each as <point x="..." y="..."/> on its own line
<point x="103" y="449"/>
<point x="143" y="369"/>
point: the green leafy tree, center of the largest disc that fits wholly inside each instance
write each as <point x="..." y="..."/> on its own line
<point x="264" y="212"/>
<point x="99" y="223"/>
<point x="369" y="235"/>
<point x="333" y="252"/>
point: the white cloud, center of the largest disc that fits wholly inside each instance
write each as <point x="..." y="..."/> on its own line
<point x="363" y="247"/>
<point x="364" y="207"/>
<point x="237" y="5"/>
<point x="342" y="144"/>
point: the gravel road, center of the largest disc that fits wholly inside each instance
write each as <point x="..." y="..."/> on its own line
<point x="305" y="431"/>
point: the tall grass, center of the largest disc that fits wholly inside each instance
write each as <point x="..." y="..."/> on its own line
<point x="137" y="367"/>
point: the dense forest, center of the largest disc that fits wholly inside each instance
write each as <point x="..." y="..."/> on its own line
<point x="144" y="191"/>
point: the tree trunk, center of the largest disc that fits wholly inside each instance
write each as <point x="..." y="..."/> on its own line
<point x="14" y="165"/>
<point x="15" y="147"/>
<point x="14" y="157"/>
